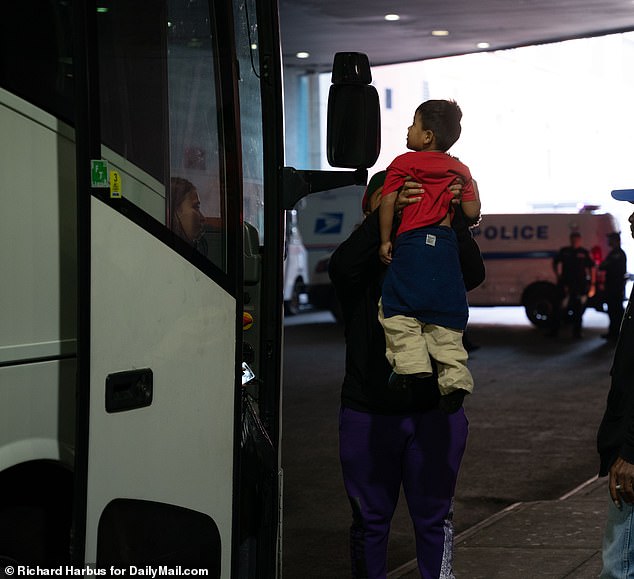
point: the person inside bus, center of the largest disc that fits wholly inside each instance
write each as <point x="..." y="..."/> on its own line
<point x="389" y="438"/>
<point x="615" y="443"/>
<point x="423" y="306"/>
<point x="187" y="219"/>
<point x="615" y="268"/>
<point x="575" y="273"/>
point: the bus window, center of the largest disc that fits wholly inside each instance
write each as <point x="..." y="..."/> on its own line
<point x="36" y="58"/>
<point x="247" y="48"/>
<point x="193" y="127"/>
<point x="159" y="114"/>
<point x="132" y="88"/>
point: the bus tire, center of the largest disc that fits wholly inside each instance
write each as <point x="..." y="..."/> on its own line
<point x="23" y="535"/>
<point x="541" y="302"/>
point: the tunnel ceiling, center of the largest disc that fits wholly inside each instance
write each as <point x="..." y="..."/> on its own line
<point x="323" y="27"/>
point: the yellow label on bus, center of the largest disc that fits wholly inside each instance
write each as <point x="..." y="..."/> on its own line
<point x="115" y="185"/>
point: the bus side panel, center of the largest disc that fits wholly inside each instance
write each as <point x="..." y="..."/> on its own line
<point x="151" y="309"/>
<point x="37" y="332"/>
<point x="37" y="413"/>
<point x="38" y="289"/>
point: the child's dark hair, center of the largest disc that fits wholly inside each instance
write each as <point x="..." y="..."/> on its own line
<point x="442" y="117"/>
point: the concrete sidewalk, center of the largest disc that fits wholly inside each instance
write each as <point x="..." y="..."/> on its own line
<point x="539" y="540"/>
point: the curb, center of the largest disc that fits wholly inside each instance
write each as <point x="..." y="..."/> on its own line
<point x="467" y="533"/>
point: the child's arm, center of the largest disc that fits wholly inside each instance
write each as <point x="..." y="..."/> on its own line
<point x="386" y="215"/>
<point x="472" y="208"/>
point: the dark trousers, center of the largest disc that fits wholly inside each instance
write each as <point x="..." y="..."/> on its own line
<point x="572" y="308"/>
<point x="576" y="307"/>
<point x="615" y="314"/>
<point x="420" y="451"/>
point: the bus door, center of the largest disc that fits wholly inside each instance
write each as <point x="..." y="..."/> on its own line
<point x="160" y="285"/>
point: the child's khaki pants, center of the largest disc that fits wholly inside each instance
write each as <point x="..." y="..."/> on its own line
<point x="410" y="344"/>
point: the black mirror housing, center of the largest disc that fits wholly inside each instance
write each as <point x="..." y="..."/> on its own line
<point x="354" y="116"/>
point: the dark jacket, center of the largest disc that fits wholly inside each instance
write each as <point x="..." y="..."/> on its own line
<point x="615" y="268"/>
<point x="616" y="433"/>
<point x="356" y="273"/>
<point x="575" y="265"/>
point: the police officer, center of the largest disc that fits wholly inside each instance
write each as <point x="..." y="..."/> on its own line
<point x="615" y="268"/>
<point x="575" y="279"/>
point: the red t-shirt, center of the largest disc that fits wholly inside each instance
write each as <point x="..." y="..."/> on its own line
<point x="436" y="171"/>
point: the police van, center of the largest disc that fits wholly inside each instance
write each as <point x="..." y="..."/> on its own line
<point x="518" y="251"/>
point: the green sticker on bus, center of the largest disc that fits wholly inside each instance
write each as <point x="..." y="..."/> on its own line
<point x="99" y="173"/>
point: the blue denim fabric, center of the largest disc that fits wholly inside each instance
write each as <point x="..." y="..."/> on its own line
<point x="618" y="543"/>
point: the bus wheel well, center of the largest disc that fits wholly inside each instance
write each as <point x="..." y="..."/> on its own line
<point x="35" y="513"/>
<point x="541" y="301"/>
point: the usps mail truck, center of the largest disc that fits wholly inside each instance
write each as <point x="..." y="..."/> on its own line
<point x="325" y="220"/>
<point x="296" y="272"/>
<point x="518" y="251"/>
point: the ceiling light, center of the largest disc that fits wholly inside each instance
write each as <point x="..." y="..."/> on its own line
<point x="392" y="17"/>
<point x="440" y="32"/>
<point x="483" y="45"/>
<point x="302" y="54"/>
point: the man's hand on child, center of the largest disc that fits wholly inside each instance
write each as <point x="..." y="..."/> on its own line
<point x="410" y="193"/>
<point x="456" y="189"/>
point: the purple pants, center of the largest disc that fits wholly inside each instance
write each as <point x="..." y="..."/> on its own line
<point x="422" y="451"/>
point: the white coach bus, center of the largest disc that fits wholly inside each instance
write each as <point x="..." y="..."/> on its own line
<point x="143" y="197"/>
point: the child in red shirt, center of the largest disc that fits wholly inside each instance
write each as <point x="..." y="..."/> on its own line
<point x="424" y="308"/>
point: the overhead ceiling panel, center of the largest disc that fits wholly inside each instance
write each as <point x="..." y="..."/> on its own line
<point x="323" y="27"/>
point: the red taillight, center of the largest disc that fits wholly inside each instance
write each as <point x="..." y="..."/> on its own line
<point x="596" y="254"/>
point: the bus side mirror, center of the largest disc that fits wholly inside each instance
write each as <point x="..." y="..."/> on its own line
<point x="354" y="116"/>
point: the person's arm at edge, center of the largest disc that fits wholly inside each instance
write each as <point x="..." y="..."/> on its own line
<point x="622" y="471"/>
